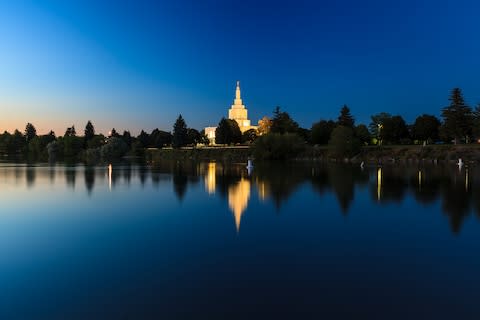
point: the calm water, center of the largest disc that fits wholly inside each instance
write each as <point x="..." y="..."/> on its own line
<point x="186" y="240"/>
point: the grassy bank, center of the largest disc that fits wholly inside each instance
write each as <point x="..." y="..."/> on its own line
<point x="226" y="154"/>
<point x="414" y="153"/>
<point x="369" y="154"/>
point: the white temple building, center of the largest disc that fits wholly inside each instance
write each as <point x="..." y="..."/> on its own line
<point x="238" y="112"/>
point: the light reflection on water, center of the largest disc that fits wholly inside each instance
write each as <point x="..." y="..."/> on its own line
<point x="182" y="239"/>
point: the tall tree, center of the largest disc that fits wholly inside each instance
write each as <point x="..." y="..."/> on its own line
<point x="343" y="142"/>
<point x="377" y="125"/>
<point x="70" y="132"/>
<point x="127" y="138"/>
<point x="143" y="137"/>
<point x="476" y="122"/>
<point x="114" y="134"/>
<point x="426" y="128"/>
<point x="179" y="138"/>
<point x="283" y="123"/>
<point x="89" y="131"/>
<point x="30" y="132"/>
<point x="361" y="132"/>
<point x="159" y="139"/>
<point x="193" y="136"/>
<point x="457" y="118"/>
<point x="345" y="118"/>
<point x="321" y="131"/>
<point x="395" y="130"/>
<point x="228" y="132"/>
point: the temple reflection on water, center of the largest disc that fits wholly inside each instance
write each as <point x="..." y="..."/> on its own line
<point x="238" y="196"/>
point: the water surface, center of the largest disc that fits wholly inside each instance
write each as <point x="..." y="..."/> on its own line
<point x="207" y="240"/>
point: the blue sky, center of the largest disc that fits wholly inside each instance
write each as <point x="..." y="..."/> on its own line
<point x="138" y="64"/>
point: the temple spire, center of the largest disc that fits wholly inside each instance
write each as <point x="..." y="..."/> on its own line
<point x="237" y="91"/>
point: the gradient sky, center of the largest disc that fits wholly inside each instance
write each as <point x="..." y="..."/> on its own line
<point x="138" y="64"/>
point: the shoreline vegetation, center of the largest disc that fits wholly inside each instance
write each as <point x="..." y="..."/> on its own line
<point x="388" y="138"/>
<point x="368" y="154"/>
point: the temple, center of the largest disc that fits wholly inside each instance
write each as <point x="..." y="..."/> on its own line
<point x="237" y="112"/>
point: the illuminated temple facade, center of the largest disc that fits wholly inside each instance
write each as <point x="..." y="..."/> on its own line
<point x="238" y="112"/>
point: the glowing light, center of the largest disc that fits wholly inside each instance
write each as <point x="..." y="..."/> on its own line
<point x="466" y="179"/>
<point x="379" y="183"/>
<point x="263" y="191"/>
<point x="238" y="196"/>
<point x="420" y="179"/>
<point x="110" y="177"/>
<point x="210" y="182"/>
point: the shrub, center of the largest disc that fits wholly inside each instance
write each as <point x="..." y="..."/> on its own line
<point x="343" y="142"/>
<point x="275" y="146"/>
<point x="114" y="149"/>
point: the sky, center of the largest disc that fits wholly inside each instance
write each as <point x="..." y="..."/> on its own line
<point x="136" y="65"/>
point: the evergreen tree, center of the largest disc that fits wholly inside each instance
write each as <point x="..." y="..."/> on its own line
<point x="179" y="138"/>
<point x="283" y="123"/>
<point x="70" y="132"/>
<point x="143" y="137"/>
<point x="89" y="131"/>
<point x="476" y="122"/>
<point x="345" y="119"/>
<point x="114" y="134"/>
<point x="127" y="138"/>
<point x="457" y="118"/>
<point x="30" y="132"/>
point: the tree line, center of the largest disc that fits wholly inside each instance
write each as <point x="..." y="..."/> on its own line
<point x="277" y="137"/>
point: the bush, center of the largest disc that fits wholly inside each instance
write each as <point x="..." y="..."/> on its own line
<point x="343" y="142"/>
<point x="275" y="146"/>
<point x="114" y="149"/>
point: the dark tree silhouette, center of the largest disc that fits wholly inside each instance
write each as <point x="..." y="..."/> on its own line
<point x="143" y="137"/>
<point x="283" y="123"/>
<point x="30" y="132"/>
<point x="426" y="128"/>
<point x="457" y="118"/>
<point x="179" y="138"/>
<point x="89" y="131"/>
<point x="361" y="132"/>
<point x="321" y="131"/>
<point x="228" y="132"/>
<point x="70" y="132"/>
<point x="345" y="118"/>
<point x="193" y="136"/>
<point x="114" y="134"/>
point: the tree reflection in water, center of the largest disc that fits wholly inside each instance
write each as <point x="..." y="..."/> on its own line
<point x="456" y="192"/>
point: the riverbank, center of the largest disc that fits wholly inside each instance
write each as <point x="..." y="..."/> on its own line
<point x="225" y="154"/>
<point x="369" y="154"/>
